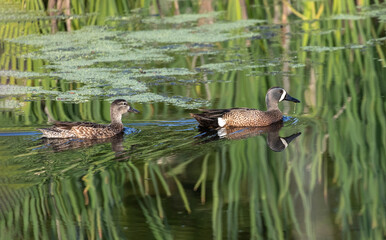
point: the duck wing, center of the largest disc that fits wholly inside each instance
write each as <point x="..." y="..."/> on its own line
<point x="70" y="125"/>
<point x="87" y="129"/>
<point x="209" y="117"/>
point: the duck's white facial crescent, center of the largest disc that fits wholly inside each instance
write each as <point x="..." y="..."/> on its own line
<point x="285" y="143"/>
<point x="283" y="95"/>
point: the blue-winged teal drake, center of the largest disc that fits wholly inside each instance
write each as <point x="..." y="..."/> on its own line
<point x="246" y="117"/>
<point x="91" y="130"/>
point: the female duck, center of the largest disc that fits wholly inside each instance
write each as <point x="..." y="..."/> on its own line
<point x="91" y="130"/>
<point x="246" y="117"/>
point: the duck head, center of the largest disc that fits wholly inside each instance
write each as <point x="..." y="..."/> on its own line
<point x="121" y="106"/>
<point x="276" y="95"/>
<point x="118" y="108"/>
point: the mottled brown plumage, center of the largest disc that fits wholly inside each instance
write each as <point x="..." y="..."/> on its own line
<point x="246" y="117"/>
<point x="91" y="130"/>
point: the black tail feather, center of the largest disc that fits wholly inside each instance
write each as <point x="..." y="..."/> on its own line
<point x="205" y="121"/>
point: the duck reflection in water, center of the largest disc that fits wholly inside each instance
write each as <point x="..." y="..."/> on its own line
<point x="274" y="141"/>
<point x="65" y="144"/>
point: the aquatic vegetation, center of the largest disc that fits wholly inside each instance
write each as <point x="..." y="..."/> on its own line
<point x="10" y="12"/>
<point x="10" y="103"/>
<point x="217" y="32"/>
<point x="321" y="48"/>
<point x="10" y="90"/>
<point x="180" y="19"/>
<point x="218" y="67"/>
<point x="19" y="74"/>
<point x="184" y="102"/>
<point x="347" y="17"/>
<point x="376" y="10"/>
<point x="79" y="55"/>
<point x="75" y="57"/>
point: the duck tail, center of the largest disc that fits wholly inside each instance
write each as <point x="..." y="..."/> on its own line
<point x="45" y="131"/>
<point x="205" y="120"/>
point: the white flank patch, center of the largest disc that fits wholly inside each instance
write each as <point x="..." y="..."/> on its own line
<point x="283" y="95"/>
<point x="221" y="122"/>
<point x="284" y="142"/>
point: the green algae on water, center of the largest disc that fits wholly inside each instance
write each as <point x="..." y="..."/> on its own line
<point x="184" y="102"/>
<point x="182" y="18"/>
<point x="108" y="61"/>
<point x="19" y="74"/>
<point x="347" y="17"/>
<point x="9" y="90"/>
<point x="217" y="32"/>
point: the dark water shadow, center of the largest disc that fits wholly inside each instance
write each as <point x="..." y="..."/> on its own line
<point x="274" y="140"/>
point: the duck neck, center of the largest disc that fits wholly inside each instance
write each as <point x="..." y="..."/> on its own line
<point x="116" y="120"/>
<point x="271" y="105"/>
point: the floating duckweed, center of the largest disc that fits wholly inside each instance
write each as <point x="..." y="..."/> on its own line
<point x="76" y="56"/>
<point x="102" y="76"/>
<point x="375" y="10"/>
<point x="148" y="54"/>
<point x="7" y="90"/>
<point x="347" y="17"/>
<point x="297" y="65"/>
<point x="176" y="48"/>
<point x="376" y="40"/>
<point x="229" y="26"/>
<point x="218" y="67"/>
<point x="183" y="102"/>
<point x="182" y="18"/>
<point x="217" y="32"/>
<point x="324" y="32"/>
<point x="330" y="49"/>
<point x="231" y="66"/>
<point x="122" y="18"/>
<point x="164" y="72"/>
<point x="91" y="45"/>
<point x="18" y="74"/>
<point x="264" y="65"/>
<point x="321" y="48"/>
<point x="10" y="12"/>
<point x="13" y="13"/>
<point x="10" y="104"/>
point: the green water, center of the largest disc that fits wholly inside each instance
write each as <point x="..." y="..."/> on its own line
<point x="164" y="178"/>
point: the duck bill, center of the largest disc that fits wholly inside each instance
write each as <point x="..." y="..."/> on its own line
<point x="133" y="110"/>
<point x="292" y="137"/>
<point x="292" y="99"/>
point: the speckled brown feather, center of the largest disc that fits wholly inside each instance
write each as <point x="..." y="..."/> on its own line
<point x="246" y="117"/>
<point x="237" y="117"/>
<point x="88" y="129"/>
<point x="81" y="130"/>
<point x="96" y="131"/>
<point x="251" y="117"/>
